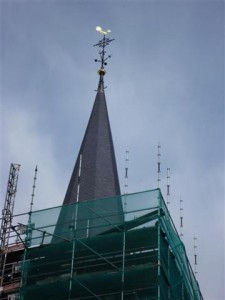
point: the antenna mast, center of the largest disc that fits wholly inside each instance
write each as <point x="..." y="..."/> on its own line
<point x="126" y="178"/>
<point x="33" y="189"/>
<point x="126" y="171"/>
<point x="29" y="232"/>
<point x="159" y="165"/>
<point x="181" y="218"/>
<point x="168" y="187"/>
<point x="195" y="255"/>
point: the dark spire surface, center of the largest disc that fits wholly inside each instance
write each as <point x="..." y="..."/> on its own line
<point x="95" y="172"/>
<point x="96" y="159"/>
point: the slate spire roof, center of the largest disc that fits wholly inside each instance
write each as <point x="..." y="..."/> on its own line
<point x="95" y="171"/>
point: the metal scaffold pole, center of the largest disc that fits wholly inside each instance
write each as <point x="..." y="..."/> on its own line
<point x="74" y="228"/>
<point x="123" y="264"/>
<point x="159" y="246"/>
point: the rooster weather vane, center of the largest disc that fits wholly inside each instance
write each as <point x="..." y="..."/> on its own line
<point x="102" y="53"/>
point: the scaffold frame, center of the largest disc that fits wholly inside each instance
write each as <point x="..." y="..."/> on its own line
<point x="140" y="258"/>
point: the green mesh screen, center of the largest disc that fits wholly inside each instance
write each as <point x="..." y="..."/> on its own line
<point x="82" y="251"/>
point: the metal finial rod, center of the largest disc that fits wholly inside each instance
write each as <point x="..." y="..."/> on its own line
<point x="102" y="44"/>
<point x="33" y="189"/>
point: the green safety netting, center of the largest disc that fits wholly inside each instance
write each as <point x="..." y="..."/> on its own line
<point x="85" y="251"/>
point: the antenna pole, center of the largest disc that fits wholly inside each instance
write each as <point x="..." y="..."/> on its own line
<point x="168" y="187"/>
<point x="33" y="189"/>
<point x="126" y="178"/>
<point x="195" y="255"/>
<point x="29" y="230"/>
<point x="181" y="218"/>
<point x="159" y="166"/>
<point x="126" y="171"/>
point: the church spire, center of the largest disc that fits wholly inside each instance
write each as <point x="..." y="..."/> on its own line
<point x="103" y="57"/>
<point x="95" y="172"/>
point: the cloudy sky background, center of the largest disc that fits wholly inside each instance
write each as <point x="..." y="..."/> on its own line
<point x="165" y="84"/>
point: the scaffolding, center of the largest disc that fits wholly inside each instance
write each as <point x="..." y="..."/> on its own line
<point x="7" y="212"/>
<point x="9" y="267"/>
<point x="12" y="254"/>
<point x="142" y="257"/>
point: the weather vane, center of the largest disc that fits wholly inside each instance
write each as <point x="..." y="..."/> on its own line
<point x="102" y="44"/>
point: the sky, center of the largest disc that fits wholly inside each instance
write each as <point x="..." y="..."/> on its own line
<point x="165" y="84"/>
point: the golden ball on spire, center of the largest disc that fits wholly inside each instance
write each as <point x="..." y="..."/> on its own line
<point x="102" y="72"/>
